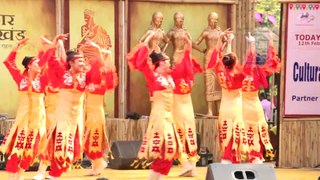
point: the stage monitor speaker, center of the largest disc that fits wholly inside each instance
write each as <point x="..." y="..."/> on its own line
<point x="124" y="154"/>
<point x="218" y="171"/>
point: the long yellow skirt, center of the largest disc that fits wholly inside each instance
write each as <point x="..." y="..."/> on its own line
<point x="96" y="140"/>
<point x="29" y="127"/>
<point x="161" y="136"/>
<point x="256" y="125"/>
<point x="231" y="127"/>
<point x="67" y="146"/>
<point x="183" y="116"/>
<point x="51" y="100"/>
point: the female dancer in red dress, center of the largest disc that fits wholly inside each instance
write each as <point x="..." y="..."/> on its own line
<point x="50" y="101"/>
<point x="161" y="142"/>
<point x="183" y="73"/>
<point x="253" y="115"/>
<point x="22" y="141"/>
<point x="231" y="127"/>
<point x="100" y="78"/>
<point x="66" y="142"/>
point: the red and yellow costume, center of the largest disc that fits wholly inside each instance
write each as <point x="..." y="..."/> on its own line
<point x="183" y="115"/>
<point x="22" y="141"/>
<point x="253" y="115"/>
<point x="231" y="127"/>
<point x="161" y="142"/>
<point x="99" y="79"/>
<point x="50" y="100"/>
<point x="66" y="138"/>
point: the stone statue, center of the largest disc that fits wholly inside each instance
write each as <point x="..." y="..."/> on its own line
<point x="213" y="90"/>
<point x="177" y="36"/>
<point x="159" y="40"/>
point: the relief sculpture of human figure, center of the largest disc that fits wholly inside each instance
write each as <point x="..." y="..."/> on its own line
<point x="93" y="32"/>
<point x="213" y="90"/>
<point x="177" y="36"/>
<point x="159" y="41"/>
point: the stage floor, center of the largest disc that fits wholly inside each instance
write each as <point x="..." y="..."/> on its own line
<point x="78" y="174"/>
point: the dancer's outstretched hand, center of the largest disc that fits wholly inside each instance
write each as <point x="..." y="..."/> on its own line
<point x="230" y="37"/>
<point x="62" y="37"/>
<point x="227" y="31"/>
<point x="226" y="34"/>
<point x="23" y="42"/>
<point x="45" y="41"/>
<point x="250" y="38"/>
<point x="20" y="43"/>
<point x="270" y="37"/>
<point x="91" y="43"/>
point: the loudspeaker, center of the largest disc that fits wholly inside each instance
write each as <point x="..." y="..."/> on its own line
<point x="124" y="154"/>
<point x="33" y="167"/>
<point x="218" y="171"/>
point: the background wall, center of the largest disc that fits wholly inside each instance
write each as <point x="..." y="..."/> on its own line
<point x="104" y="16"/>
<point x="195" y="21"/>
<point x="36" y="18"/>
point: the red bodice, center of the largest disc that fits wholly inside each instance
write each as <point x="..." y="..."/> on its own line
<point x="99" y="79"/>
<point x="256" y="76"/>
<point x="183" y="73"/>
<point x="39" y="83"/>
<point x="138" y="59"/>
<point x="228" y="79"/>
<point x="62" y="78"/>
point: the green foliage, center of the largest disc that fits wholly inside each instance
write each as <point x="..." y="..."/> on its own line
<point x="271" y="7"/>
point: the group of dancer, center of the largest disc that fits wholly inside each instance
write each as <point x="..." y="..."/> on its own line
<point x="61" y="112"/>
<point x="243" y="131"/>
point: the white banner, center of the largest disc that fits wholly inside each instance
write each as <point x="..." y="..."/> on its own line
<point x="302" y="76"/>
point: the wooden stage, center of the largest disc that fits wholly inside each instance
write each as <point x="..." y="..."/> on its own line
<point x="78" y="174"/>
<point x="299" y="148"/>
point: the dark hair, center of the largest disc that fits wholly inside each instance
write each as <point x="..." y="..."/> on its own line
<point x="156" y="65"/>
<point x="229" y="60"/>
<point x="70" y="55"/>
<point x="26" y="60"/>
<point x="156" y="58"/>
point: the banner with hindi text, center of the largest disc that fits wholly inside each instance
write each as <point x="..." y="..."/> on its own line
<point x="20" y="19"/>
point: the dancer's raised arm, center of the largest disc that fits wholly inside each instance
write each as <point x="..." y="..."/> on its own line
<point x="10" y="61"/>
